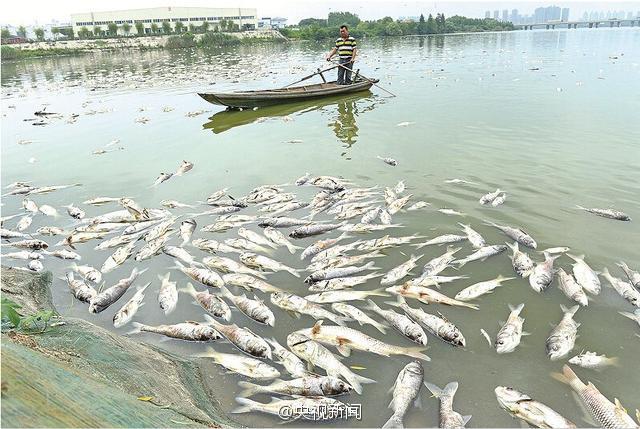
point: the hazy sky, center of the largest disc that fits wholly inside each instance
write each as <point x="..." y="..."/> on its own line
<point x="43" y="11"/>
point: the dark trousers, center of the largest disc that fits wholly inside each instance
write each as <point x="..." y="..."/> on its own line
<point x="344" y="75"/>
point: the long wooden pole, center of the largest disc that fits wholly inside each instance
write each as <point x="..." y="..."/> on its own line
<point x="312" y="75"/>
<point x="365" y="78"/>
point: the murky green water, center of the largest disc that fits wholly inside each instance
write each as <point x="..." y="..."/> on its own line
<point x="551" y="117"/>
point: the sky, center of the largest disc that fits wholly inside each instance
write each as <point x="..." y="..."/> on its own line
<point x="45" y="11"/>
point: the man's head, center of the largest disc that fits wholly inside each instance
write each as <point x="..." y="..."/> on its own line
<point x="344" y="31"/>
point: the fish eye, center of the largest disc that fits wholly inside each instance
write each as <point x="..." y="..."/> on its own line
<point x="501" y="342"/>
<point x="455" y="335"/>
<point x="554" y="348"/>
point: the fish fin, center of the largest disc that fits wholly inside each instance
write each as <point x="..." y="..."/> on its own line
<point x="246" y="407"/>
<point x="525" y="333"/>
<point x="344" y="350"/>
<point x="372" y="305"/>
<point x="378" y="292"/>
<point x="487" y="337"/>
<point x="316" y="327"/>
<point x="466" y="419"/>
<point x="395" y="422"/>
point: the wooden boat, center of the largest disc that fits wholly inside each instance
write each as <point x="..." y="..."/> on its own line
<point x="230" y="118"/>
<point x="270" y="97"/>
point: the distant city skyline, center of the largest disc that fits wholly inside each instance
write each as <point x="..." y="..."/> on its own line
<point x="554" y="13"/>
<point x="42" y="12"/>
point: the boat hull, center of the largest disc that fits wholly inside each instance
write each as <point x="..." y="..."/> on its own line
<point x="251" y="99"/>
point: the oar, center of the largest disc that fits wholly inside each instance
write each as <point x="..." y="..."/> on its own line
<point x="365" y="78"/>
<point x="312" y="75"/>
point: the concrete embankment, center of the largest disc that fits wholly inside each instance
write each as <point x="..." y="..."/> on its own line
<point x="145" y="42"/>
<point x="80" y="375"/>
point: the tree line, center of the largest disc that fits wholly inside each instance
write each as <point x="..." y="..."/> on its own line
<point x="319" y="29"/>
<point x="127" y="30"/>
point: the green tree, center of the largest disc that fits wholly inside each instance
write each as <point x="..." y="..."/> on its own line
<point x="223" y="25"/>
<point x="204" y="27"/>
<point x="39" y="34"/>
<point x="113" y="29"/>
<point x="97" y="31"/>
<point x="422" y="25"/>
<point x="6" y="33"/>
<point x="166" y="27"/>
<point x="440" y="23"/>
<point x="431" y="25"/>
<point x="126" y="28"/>
<point x="393" y="29"/>
<point x="312" y="21"/>
<point x="139" y="28"/>
<point x="179" y="27"/>
<point x="342" y="18"/>
<point x="154" y="28"/>
<point x="83" y="33"/>
<point x="22" y="32"/>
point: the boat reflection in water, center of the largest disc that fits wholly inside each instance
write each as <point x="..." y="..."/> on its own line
<point x="342" y="112"/>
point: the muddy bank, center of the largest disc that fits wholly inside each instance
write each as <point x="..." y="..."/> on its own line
<point x="81" y="375"/>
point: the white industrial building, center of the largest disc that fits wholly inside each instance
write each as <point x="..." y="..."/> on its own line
<point x="244" y="18"/>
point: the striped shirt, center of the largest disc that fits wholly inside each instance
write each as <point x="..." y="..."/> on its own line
<point x="345" y="47"/>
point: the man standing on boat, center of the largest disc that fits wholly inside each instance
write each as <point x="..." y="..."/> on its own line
<point x="346" y="50"/>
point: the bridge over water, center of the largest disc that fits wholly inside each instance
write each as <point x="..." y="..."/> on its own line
<point x="582" y="24"/>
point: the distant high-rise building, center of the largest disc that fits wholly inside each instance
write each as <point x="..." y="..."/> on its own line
<point x="487" y="14"/>
<point x="630" y="15"/>
<point x="565" y="14"/>
<point x="539" y="15"/>
<point x="505" y="15"/>
<point x="496" y="14"/>
<point x="585" y="16"/>
<point x="514" y="16"/>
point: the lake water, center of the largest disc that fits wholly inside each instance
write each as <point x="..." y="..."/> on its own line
<point x="550" y="117"/>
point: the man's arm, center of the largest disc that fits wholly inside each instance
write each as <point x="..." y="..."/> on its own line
<point x="332" y="53"/>
<point x="353" y="56"/>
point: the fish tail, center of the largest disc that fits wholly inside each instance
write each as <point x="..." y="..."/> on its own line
<point x="293" y="272"/>
<point x="579" y="207"/>
<point x="373" y="306"/>
<point x="627" y="314"/>
<point x="569" y="377"/>
<point x="571" y="311"/>
<point x="209" y="353"/>
<point x="249" y="389"/>
<point x="141" y="289"/>
<point x="622" y="265"/>
<point x="188" y="289"/>
<point x="225" y="292"/>
<point x="416" y="352"/>
<point x="380" y="327"/>
<point x="449" y="390"/>
<point x="247" y="405"/>
<point x="378" y="292"/>
<point x="356" y="381"/>
<point x="137" y="328"/>
<point x="467" y="305"/>
<point x="516" y="310"/>
<point x="576" y="258"/>
<point x="395" y="421"/>
<point x="211" y="321"/>
<point x="513" y="247"/>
